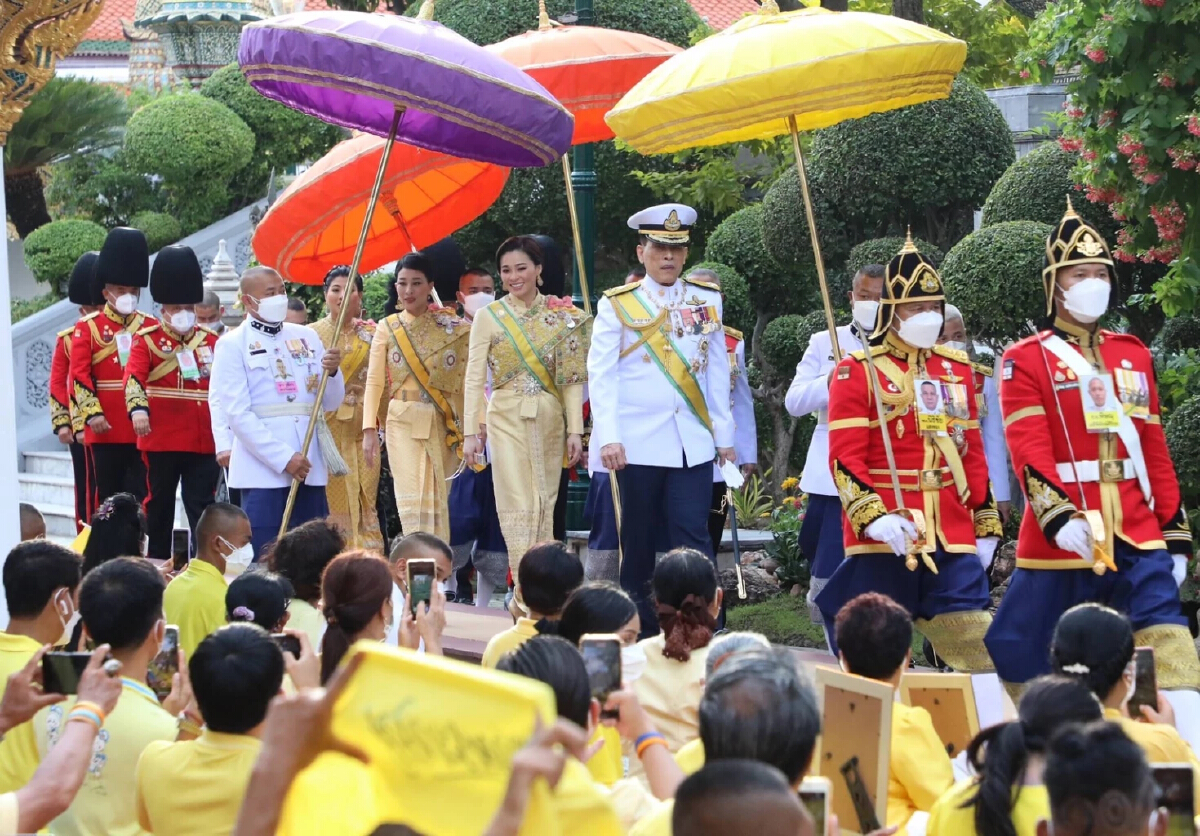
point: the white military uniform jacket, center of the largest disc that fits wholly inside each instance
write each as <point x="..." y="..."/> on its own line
<point x="265" y="386"/>
<point x="635" y="404"/>
<point x="809" y="393"/>
<point x="741" y="404"/>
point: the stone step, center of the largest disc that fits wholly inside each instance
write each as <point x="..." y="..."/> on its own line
<point x="55" y="463"/>
<point x="60" y="522"/>
<point x="41" y="489"/>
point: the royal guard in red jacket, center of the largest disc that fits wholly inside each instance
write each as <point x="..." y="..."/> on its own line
<point x="100" y="350"/>
<point x="932" y="422"/>
<point x="1104" y="520"/>
<point x="166" y="393"/>
<point x="64" y="418"/>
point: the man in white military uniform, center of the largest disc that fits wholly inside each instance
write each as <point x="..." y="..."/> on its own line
<point x="658" y="375"/>
<point x="991" y="421"/>
<point x="265" y="377"/>
<point x="821" y="531"/>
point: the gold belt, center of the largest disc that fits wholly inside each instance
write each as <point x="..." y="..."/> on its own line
<point x="413" y="397"/>
<point x="177" y="394"/>
<point x="933" y="479"/>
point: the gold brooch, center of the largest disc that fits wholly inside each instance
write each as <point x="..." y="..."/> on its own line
<point x="671" y="224"/>
<point x="929" y="283"/>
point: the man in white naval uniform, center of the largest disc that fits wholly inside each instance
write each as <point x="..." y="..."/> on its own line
<point x="658" y="375"/>
<point x="821" y="531"/>
<point x="991" y="421"/>
<point x="265" y="377"/>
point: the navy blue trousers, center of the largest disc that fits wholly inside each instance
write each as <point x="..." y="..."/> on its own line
<point x="264" y="507"/>
<point x="959" y="586"/>
<point x="821" y="535"/>
<point x="1142" y="588"/>
<point x="654" y="500"/>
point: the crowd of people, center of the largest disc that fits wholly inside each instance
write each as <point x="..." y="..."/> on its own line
<point x="463" y="422"/>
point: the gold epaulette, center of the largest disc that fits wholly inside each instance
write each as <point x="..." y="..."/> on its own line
<point x="876" y="350"/>
<point x="617" y="291"/>
<point x="706" y="285"/>
<point x="952" y="354"/>
<point x="66" y="332"/>
<point x="207" y="330"/>
<point x="983" y="369"/>
<point x="733" y="332"/>
<point x="149" y="329"/>
<point x="87" y="317"/>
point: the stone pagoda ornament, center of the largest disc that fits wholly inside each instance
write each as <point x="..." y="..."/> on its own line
<point x="201" y="36"/>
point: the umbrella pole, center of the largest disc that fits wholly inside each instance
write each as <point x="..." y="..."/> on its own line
<point x="816" y="243"/>
<point x="341" y="320"/>
<point x="587" y="298"/>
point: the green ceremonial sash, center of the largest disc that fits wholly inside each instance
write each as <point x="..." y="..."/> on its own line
<point x="653" y="331"/>
<point x="510" y="325"/>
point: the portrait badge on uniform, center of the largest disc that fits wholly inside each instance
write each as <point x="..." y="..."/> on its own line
<point x="124" y="346"/>
<point x="310" y="383"/>
<point x="843" y="373"/>
<point x="1007" y="372"/>
<point x="931" y="411"/>
<point x="1133" y="388"/>
<point x="1101" y="410"/>
<point x="187" y="364"/>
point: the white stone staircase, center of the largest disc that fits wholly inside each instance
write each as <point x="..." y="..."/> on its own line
<point x="48" y="483"/>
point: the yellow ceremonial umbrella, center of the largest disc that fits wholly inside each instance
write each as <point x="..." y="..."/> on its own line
<point x="773" y="73"/>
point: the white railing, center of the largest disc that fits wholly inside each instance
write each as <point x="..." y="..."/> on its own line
<point x="33" y="337"/>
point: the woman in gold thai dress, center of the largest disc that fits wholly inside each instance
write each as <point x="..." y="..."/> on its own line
<point x="536" y="348"/>
<point x="351" y="497"/>
<point x="419" y="357"/>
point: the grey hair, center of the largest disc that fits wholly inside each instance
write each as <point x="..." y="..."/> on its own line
<point x="211" y="299"/>
<point x="952" y="313"/>
<point x="728" y="644"/>
<point x="758" y="706"/>
<point x="705" y="274"/>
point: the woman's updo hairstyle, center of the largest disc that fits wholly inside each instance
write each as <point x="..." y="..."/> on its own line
<point x="1093" y="644"/>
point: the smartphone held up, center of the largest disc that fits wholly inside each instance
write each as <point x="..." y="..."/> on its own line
<point x="421" y="576"/>
<point x="165" y="664"/>
<point x="602" y="660"/>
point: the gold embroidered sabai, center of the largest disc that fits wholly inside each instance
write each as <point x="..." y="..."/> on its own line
<point x="550" y="344"/>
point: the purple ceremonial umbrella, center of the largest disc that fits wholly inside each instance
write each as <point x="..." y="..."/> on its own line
<point x="356" y="70"/>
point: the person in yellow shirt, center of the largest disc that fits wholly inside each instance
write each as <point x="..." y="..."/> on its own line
<point x="753" y="794"/>
<point x="873" y="634"/>
<point x="1094" y="644"/>
<point x="1007" y="796"/>
<point x="757" y="707"/>
<point x="301" y="556"/>
<point x="195" y="599"/>
<point x="40" y="579"/>
<point x="1099" y="782"/>
<point x="196" y="786"/>
<point x="120" y="603"/>
<point x="547" y="575"/>
<point x="688" y="600"/>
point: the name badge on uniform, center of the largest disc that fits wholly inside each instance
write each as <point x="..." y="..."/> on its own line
<point x="187" y="365"/>
<point x="124" y="346"/>
<point x="1101" y="410"/>
<point x="931" y="409"/>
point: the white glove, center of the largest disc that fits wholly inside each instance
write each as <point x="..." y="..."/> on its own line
<point x="1076" y="536"/>
<point x="1179" y="570"/>
<point x="985" y="548"/>
<point x="892" y="529"/>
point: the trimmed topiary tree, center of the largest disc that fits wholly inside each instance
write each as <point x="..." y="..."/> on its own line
<point x="160" y="229"/>
<point x="1180" y="333"/>
<point x="671" y="20"/>
<point x="1183" y="439"/>
<point x="738" y="310"/>
<point x="994" y="276"/>
<point x="929" y="165"/>
<point x="738" y="242"/>
<point x="283" y="137"/>
<point x="196" y="144"/>
<point x="875" y="251"/>
<point x="52" y="250"/>
<point x="777" y="351"/>
<point x="786" y="235"/>
<point x="1035" y="188"/>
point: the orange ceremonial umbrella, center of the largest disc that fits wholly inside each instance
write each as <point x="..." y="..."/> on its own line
<point x="588" y="69"/>
<point x="315" y="224"/>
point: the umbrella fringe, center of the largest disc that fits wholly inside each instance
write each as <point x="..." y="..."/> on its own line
<point x="329" y="450"/>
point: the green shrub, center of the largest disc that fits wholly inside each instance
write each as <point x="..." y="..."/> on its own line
<point x="738" y="242"/>
<point x="196" y="144"/>
<point x="876" y="251"/>
<point x="21" y="308"/>
<point x="52" y="250"/>
<point x="283" y="137"/>
<point x="994" y="276"/>
<point x="1035" y="188"/>
<point x="102" y="188"/>
<point x="375" y="293"/>
<point x="929" y="165"/>
<point x="1183" y="439"/>
<point x="671" y="20"/>
<point x="738" y="310"/>
<point x="161" y="229"/>
<point x="784" y="340"/>
<point x="1179" y="333"/>
<point x="786" y="236"/>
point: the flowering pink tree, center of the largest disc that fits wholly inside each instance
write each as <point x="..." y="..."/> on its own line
<point x="1133" y="116"/>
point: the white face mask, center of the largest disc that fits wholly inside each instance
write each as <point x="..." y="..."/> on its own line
<point x="864" y="313"/>
<point x="273" y="309"/>
<point x="633" y="664"/>
<point x="238" y="560"/>
<point x="957" y="345"/>
<point x="183" y="321"/>
<point x="921" y="330"/>
<point x="145" y="546"/>
<point x="126" y="303"/>
<point x="216" y="327"/>
<point x="476" y="302"/>
<point x="1088" y="300"/>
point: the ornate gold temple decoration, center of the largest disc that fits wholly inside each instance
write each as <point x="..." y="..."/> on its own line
<point x="34" y="34"/>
